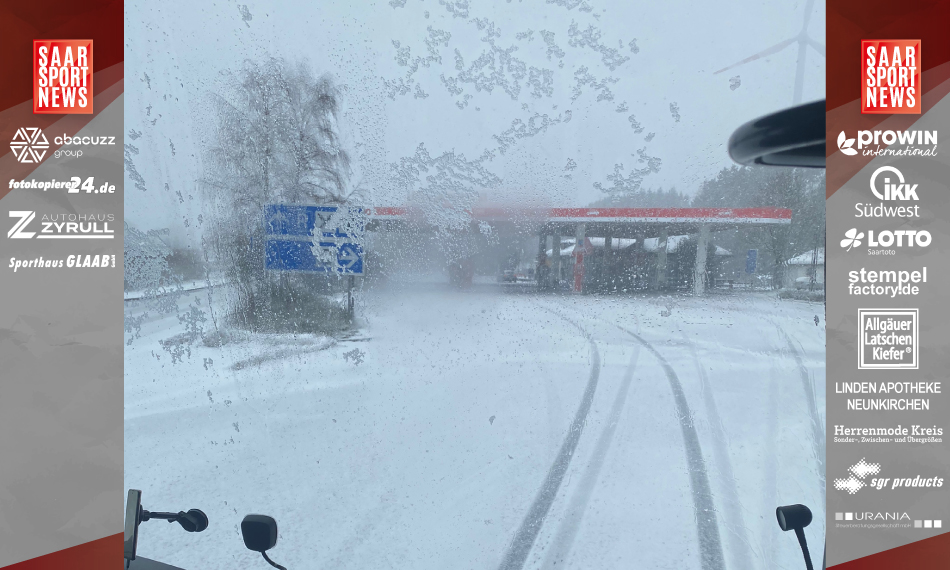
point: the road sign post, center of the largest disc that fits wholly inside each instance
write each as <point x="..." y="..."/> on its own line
<point x="751" y="258"/>
<point x="292" y="232"/>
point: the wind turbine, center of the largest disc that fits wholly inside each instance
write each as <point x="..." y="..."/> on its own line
<point x="803" y="42"/>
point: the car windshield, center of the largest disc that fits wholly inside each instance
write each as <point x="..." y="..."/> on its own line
<point x="461" y="284"/>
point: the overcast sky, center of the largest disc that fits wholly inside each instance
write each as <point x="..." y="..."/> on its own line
<point x="588" y="67"/>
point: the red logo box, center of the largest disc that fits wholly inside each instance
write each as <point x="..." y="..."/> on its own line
<point x="890" y="77"/>
<point x="62" y="77"/>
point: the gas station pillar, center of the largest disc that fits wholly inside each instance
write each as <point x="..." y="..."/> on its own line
<point x="699" y="273"/>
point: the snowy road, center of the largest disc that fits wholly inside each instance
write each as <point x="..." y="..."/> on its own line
<point x="491" y="429"/>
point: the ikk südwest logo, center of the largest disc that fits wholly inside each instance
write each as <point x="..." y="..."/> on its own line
<point x="890" y="77"/>
<point x="62" y="76"/>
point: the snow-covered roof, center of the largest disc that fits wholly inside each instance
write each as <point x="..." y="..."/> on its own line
<point x="674" y="242"/>
<point x="566" y="251"/>
<point x="652" y="245"/>
<point x="615" y="243"/>
<point x="808" y="258"/>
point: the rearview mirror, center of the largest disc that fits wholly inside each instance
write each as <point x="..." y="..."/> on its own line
<point x="793" y="137"/>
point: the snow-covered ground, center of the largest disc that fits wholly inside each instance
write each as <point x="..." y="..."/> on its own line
<point x="490" y="428"/>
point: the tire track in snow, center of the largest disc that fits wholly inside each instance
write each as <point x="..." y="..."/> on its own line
<point x="770" y="474"/>
<point x="817" y="423"/>
<point x="707" y="527"/>
<point x="520" y="546"/>
<point x="566" y="533"/>
<point x="731" y="508"/>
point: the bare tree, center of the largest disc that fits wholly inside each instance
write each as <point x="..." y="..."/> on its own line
<point x="276" y="140"/>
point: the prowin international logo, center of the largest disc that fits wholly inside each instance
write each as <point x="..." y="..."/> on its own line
<point x="29" y="145"/>
<point x="845" y="144"/>
<point x="62" y="226"/>
<point x="889" y="143"/>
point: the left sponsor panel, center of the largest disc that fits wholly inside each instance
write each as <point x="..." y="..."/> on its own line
<point x="61" y="313"/>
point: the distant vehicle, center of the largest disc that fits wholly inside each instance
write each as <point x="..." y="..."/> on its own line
<point x="507" y="276"/>
<point x="461" y="273"/>
<point x="803" y="282"/>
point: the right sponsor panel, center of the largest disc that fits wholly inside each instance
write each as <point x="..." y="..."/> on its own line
<point x="888" y="314"/>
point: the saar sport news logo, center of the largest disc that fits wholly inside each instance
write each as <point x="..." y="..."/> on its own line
<point x="61" y="226"/>
<point x="890" y="77"/>
<point x="62" y="77"/>
<point x="858" y="474"/>
<point x="30" y="145"/>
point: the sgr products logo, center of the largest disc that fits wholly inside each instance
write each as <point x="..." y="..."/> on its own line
<point x="884" y="242"/>
<point x="62" y="226"/>
<point x="29" y="145"/>
<point x="858" y="474"/>
<point x="905" y="143"/>
<point x="888" y="338"/>
<point x="890" y="77"/>
<point x="62" y="76"/>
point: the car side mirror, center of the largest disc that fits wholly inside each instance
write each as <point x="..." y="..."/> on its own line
<point x="796" y="517"/>
<point x="260" y="535"/>
<point x="133" y="517"/>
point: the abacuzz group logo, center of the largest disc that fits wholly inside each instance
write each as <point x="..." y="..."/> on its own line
<point x="29" y="145"/>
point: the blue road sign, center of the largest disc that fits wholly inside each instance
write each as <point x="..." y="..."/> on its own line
<point x="290" y="230"/>
<point x="750" y="260"/>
